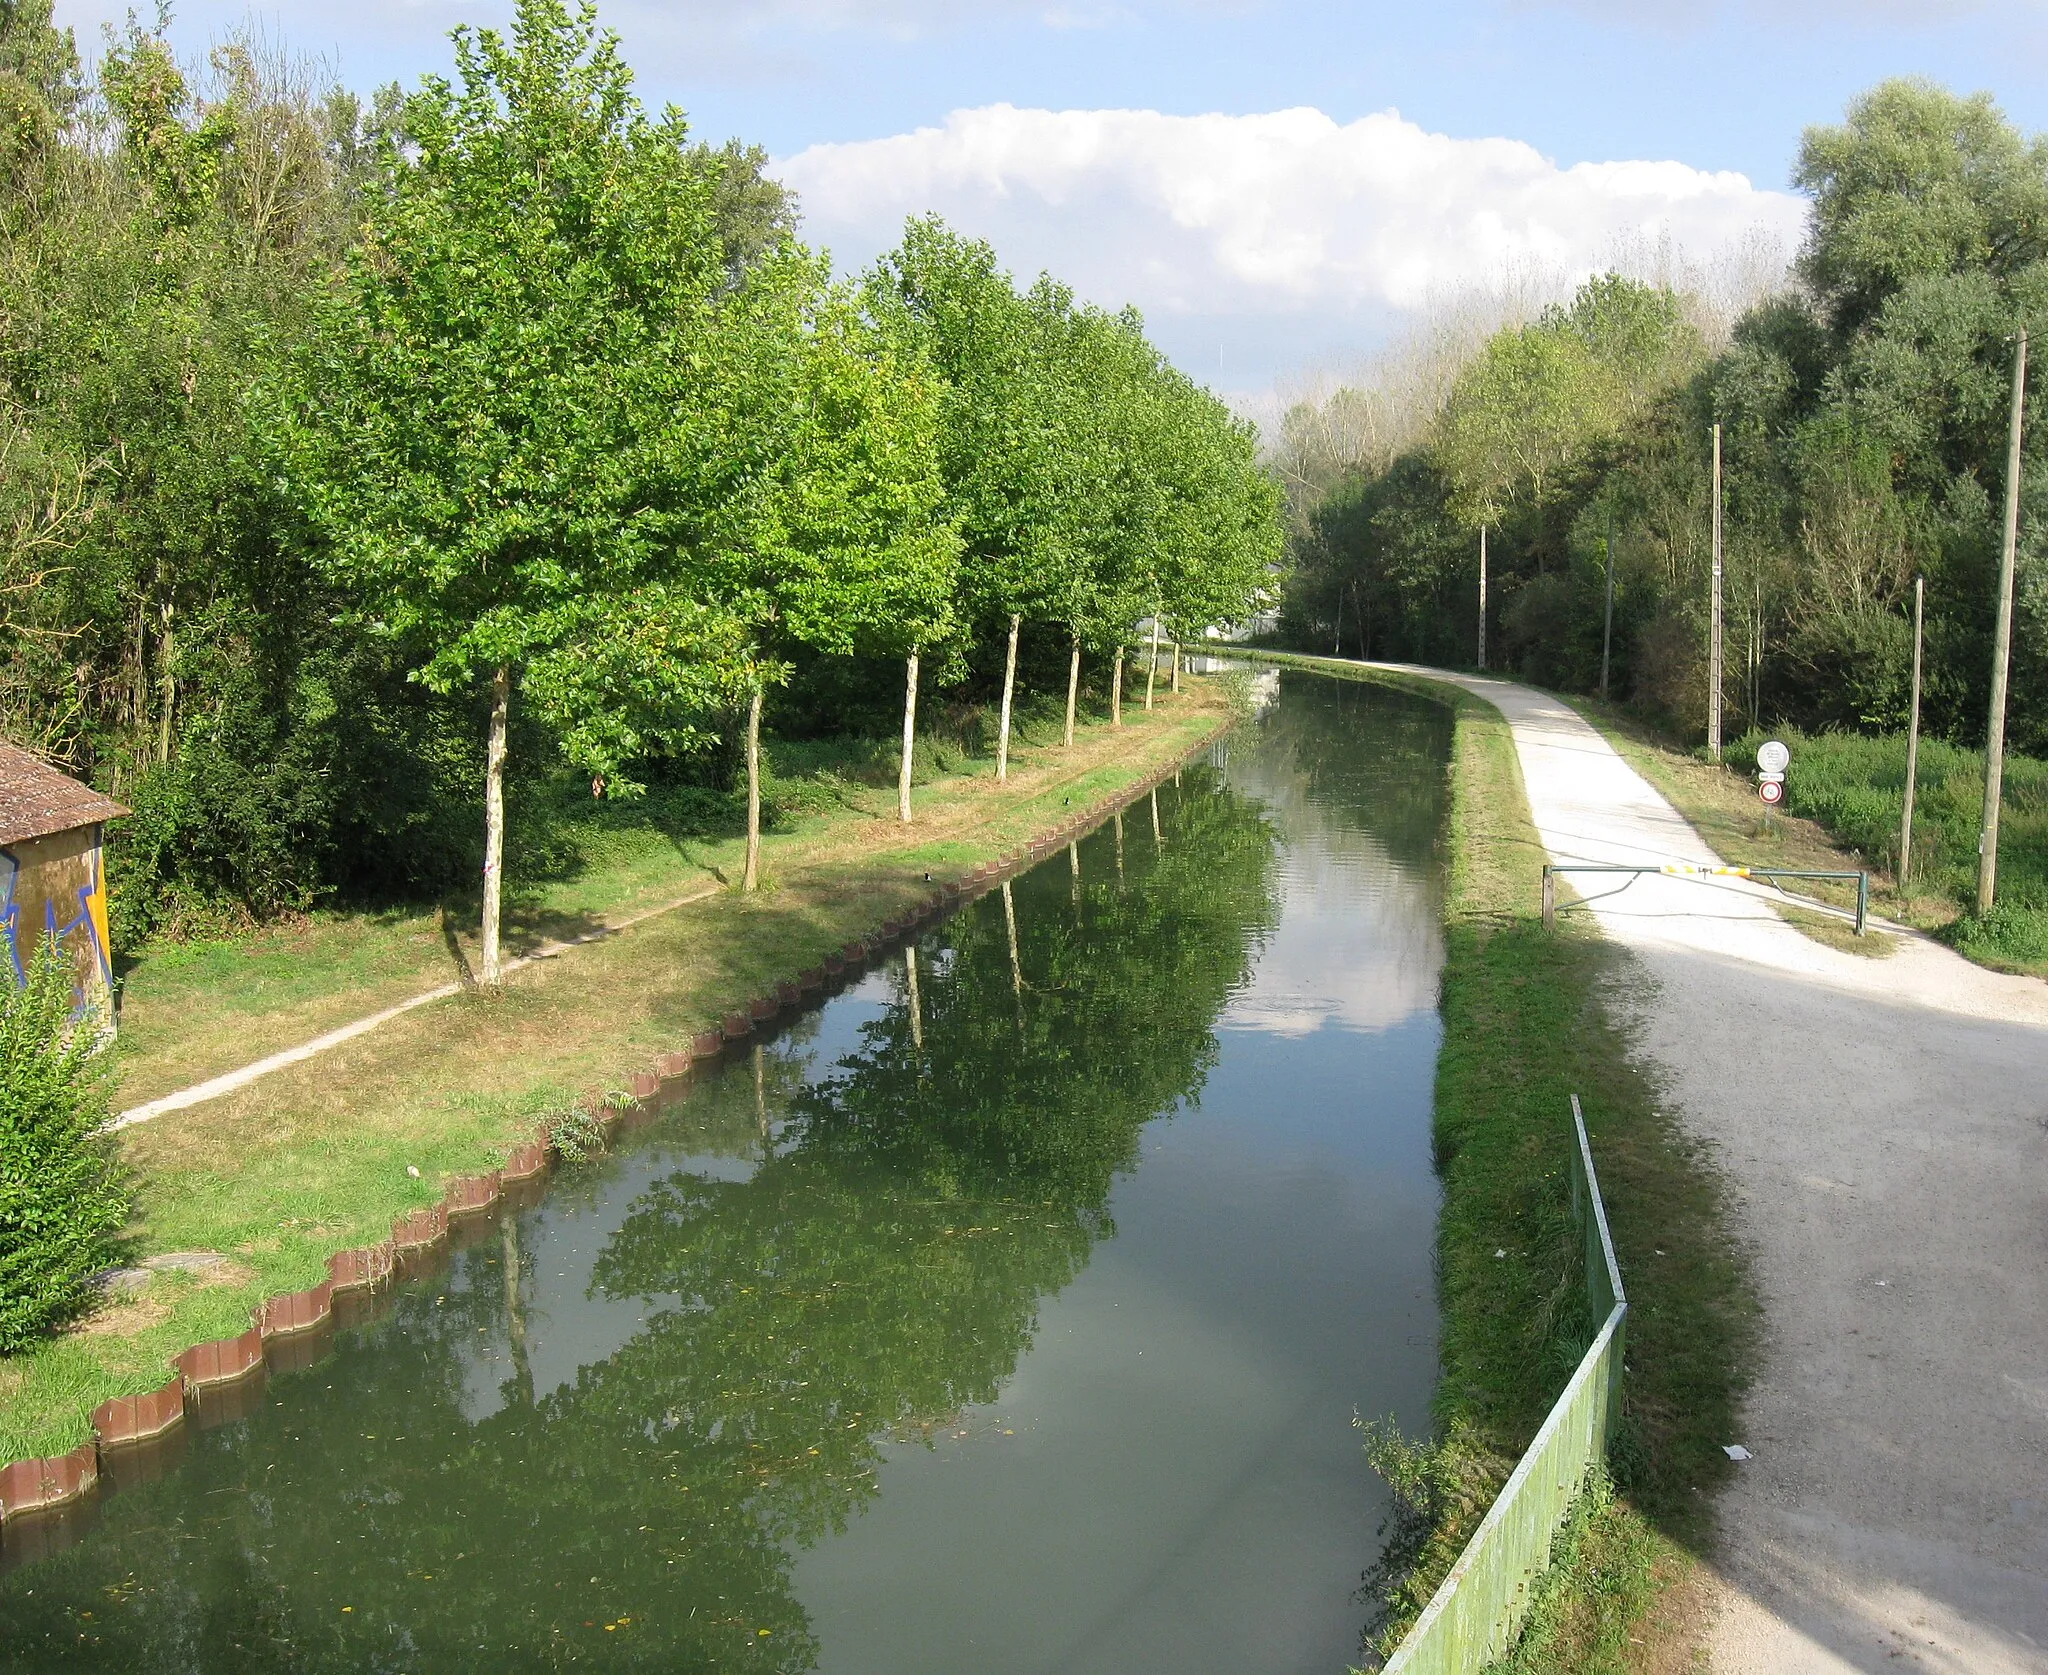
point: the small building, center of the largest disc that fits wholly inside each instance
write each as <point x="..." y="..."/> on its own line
<point x="53" y="879"/>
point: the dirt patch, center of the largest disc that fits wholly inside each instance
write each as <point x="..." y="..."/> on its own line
<point x="1672" y="1638"/>
<point x="123" y="1319"/>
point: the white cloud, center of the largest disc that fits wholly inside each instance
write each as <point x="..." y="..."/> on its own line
<point x="1267" y="238"/>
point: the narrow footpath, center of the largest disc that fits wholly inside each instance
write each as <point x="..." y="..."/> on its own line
<point x="1884" y="1125"/>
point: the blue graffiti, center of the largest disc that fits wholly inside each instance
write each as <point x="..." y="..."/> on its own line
<point x="10" y="915"/>
<point x="60" y="931"/>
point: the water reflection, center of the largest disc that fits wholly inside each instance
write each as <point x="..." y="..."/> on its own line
<point x="911" y="1341"/>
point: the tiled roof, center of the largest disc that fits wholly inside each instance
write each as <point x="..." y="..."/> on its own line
<point x="36" y="800"/>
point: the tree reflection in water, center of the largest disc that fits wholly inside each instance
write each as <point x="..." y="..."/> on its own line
<point x="877" y="1265"/>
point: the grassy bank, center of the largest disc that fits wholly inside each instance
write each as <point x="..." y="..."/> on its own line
<point x="191" y="1009"/>
<point x="1843" y="795"/>
<point x="316" y="1158"/>
<point x="1529" y="1019"/>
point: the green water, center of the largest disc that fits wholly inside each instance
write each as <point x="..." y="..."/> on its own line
<point x="1018" y="1330"/>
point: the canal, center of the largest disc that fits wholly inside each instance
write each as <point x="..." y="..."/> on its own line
<point x="1006" y="1313"/>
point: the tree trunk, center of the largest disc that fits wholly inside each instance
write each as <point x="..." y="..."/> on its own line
<point x="909" y="738"/>
<point x="1157" y="840"/>
<point x="1074" y="869"/>
<point x="1152" y="670"/>
<point x="1009" y="688"/>
<point x="1176" y="668"/>
<point x="494" y="822"/>
<point x="1073" y="688"/>
<point x="911" y="994"/>
<point x="751" y="876"/>
<point x="1116" y="691"/>
<point x="1016" y="964"/>
<point x="515" y="1304"/>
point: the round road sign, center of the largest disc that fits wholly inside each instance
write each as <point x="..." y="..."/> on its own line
<point x="1772" y="790"/>
<point x="1772" y="757"/>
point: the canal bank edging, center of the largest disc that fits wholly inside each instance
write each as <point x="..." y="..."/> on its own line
<point x="1477" y="1610"/>
<point x="135" y="1438"/>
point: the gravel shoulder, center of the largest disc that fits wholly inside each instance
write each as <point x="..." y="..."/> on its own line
<point x="1884" y="1125"/>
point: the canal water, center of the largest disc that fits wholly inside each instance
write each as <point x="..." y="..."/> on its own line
<point x="1010" y="1319"/>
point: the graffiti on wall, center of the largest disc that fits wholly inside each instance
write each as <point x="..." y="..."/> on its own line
<point x="55" y="886"/>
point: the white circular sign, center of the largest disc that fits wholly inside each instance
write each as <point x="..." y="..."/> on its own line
<point x="1772" y="790"/>
<point x="1772" y="757"/>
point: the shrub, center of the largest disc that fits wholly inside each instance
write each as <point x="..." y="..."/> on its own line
<point x="61" y="1196"/>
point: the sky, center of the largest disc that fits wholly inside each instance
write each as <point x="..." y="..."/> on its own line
<point x="1280" y="186"/>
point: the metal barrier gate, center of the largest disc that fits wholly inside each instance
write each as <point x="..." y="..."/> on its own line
<point x="1680" y="869"/>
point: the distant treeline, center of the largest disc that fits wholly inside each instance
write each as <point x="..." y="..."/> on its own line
<point x="342" y="439"/>
<point x="1863" y="414"/>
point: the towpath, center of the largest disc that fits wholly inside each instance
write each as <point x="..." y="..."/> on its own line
<point x="1884" y="1124"/>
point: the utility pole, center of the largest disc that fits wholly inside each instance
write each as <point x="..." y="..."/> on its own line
<point x="1482" y="596"/>
<point x="1714" y="634"/>
<point x="1912" y="740"/>
<point x="2001" y="648"/>
<point x="1607" y="639"/>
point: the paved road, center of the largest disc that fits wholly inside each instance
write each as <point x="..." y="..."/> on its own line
<point x="1885" y="1126"/>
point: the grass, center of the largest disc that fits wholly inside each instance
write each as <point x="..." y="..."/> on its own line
<point x="1531" y="1017"/>
<point x="193" y="1009"/>
<point x="315" y="1158"/>
<point x="1844" y="793"/>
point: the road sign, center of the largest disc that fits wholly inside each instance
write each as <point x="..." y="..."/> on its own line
<point x="1772" y="758"/>
<point x="1771" y="790"/>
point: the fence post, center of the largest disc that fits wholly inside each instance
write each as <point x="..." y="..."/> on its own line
<point x="1862" y="900"/>
<point x="1549" y="899"/>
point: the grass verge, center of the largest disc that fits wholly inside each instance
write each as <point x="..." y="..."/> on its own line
<point x="1531" y="1017"/>
<point x="316" y="1157"/>
<point x="191" y="1009"/>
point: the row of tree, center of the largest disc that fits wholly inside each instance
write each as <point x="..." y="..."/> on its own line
<point x="1862" y="415"/>
<point x="349" y="444"/>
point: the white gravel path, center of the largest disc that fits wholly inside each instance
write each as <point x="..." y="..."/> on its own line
<point x="1885" y="1125"/>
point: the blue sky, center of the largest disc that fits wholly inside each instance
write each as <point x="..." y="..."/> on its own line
<point x="1258" y="247"/>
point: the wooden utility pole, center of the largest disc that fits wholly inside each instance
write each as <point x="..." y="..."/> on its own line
<point x="1607" y="638"/>
<point x="1714" y="633"/>
<point x="2001" y="646"/>
<point x="1912" y="740"/>
<point x="1482" y="596"/>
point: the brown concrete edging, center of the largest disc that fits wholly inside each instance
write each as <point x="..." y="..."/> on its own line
<point x="37" y="1485"/>
<point x="130" y="1419"/>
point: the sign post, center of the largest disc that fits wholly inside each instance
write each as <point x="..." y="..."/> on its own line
<point x="1772" y="759"/>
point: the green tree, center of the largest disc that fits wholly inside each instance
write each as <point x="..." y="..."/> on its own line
<point x="826" y="526"/>
<point x="485" y="428"/>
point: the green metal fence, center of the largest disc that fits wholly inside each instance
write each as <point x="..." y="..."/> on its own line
<point x="1475" y="1614"/>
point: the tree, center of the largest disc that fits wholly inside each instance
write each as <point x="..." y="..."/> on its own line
<point x="1000" y="432"/>
<point x="1917" y="184"/>
<point x="484" y="430"/>
<point x="825" y="523"/>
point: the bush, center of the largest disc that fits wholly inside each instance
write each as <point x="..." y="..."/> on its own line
<point x="61" y="1196"/>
